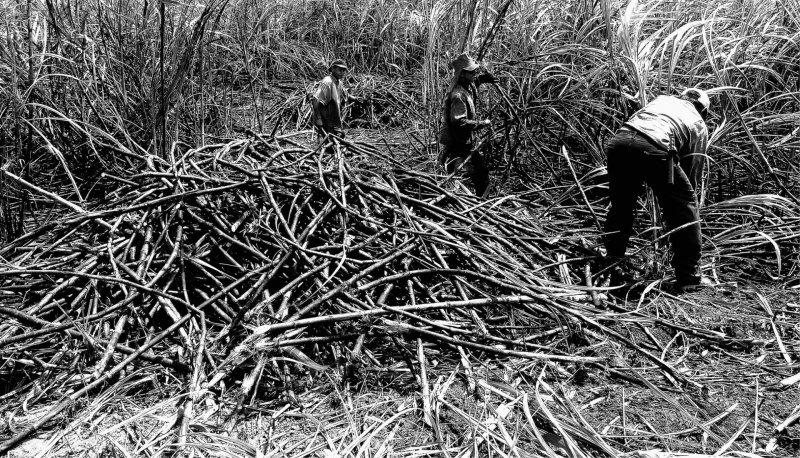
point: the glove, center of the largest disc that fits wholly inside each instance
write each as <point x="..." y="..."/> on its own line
<point x="483" y="124"/>
<point x="487" y="78"/>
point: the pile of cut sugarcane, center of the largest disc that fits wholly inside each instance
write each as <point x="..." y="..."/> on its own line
<point x="214" y="260"/>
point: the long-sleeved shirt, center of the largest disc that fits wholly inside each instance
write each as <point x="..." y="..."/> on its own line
<point x="459" y="116"/>
<point x="330" y="96"/>
<point x="675" y="124"/>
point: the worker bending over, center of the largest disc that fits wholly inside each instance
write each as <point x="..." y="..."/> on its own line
<point x="664" y="145"/>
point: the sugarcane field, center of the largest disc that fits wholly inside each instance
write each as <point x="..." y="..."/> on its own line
<point x="400" y="228"/>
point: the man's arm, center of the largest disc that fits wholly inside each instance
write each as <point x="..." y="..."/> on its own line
<point x="321" y="98"/>
<point x="694" y="158"/>
<point x="459" y="115"/>
<point x="316" y="107"/>
<point x="350" y="98"/>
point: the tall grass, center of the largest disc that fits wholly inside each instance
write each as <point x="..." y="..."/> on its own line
<point x="96" y="86"/>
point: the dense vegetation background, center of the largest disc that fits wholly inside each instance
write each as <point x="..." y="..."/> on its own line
<point x="87" y="87"/>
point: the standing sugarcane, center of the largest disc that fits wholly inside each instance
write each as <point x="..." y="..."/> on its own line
<point x="664" y="145"/>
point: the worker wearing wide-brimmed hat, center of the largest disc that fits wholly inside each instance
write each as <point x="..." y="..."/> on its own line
<point x="329" y="99"/>
<point x="663" y="145"/>
<point x="460" y="122"/>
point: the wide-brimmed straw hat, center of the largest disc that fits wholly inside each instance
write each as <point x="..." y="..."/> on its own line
<point x="698" y="95"/>
<point x="464" y="62"/>
<point x="338" y="63"/>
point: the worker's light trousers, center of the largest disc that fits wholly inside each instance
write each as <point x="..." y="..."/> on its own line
<point x="633" y="161"/>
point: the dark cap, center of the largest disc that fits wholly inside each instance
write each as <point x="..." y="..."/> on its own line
<point x="338" y="63"/>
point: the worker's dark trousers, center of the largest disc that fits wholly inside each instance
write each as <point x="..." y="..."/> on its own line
<point x="633" y="161"/>
<point x="454" y="158"/>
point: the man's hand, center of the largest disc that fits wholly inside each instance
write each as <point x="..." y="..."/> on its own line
<point x="487" y="78"/>
<point x="484" y="123"/>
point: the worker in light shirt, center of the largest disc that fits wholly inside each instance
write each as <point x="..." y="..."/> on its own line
<point x="329" y="100"/>
<point x="663" y="145"/>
